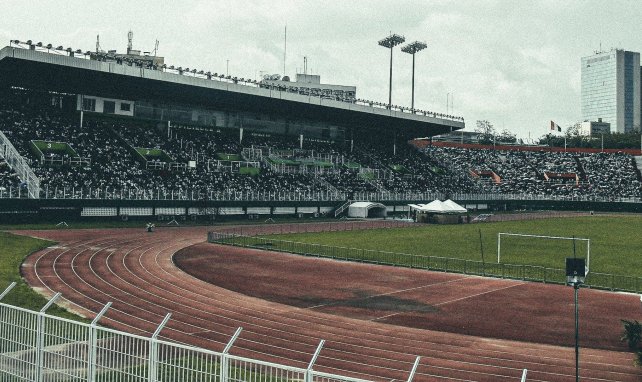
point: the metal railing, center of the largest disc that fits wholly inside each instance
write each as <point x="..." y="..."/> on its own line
<point x="190" y="195"/>
<point x="35" y="346"/>
<point x="250" y="239"/>
<point x="47" y="192"/>
<point x="21" y="167"/>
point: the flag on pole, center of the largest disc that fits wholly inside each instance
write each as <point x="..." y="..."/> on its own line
<point x="555" y="127"/>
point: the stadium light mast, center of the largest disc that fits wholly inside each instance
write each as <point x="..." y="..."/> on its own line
<point x="576" y="272"/>
<point x="413" y="48"/>
<point x="390" y="42"/>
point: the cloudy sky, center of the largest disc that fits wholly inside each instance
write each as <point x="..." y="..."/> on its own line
<point x="515" y="63"/>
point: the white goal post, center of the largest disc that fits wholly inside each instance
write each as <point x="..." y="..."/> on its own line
<point x="500" y="234"/>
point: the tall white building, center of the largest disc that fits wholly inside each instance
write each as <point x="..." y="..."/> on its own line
<point x="611" y="89"/>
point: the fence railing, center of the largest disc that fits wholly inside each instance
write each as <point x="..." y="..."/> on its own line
<point x="35" y="346"/>
<point x="48" y="192"/>
<point x="21" y="167"/>
<point x="250" y="239"/>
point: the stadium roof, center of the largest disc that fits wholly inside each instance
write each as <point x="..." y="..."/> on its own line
<point x="75" y="75"/>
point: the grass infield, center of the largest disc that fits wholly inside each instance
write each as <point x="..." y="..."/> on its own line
<point x="615" y="242"/>
<point x="14" y="249"/>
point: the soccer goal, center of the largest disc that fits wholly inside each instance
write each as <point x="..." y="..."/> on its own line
<point x="531" y="241"/>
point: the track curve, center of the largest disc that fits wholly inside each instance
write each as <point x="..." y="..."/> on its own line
<point x="135" y="270"/>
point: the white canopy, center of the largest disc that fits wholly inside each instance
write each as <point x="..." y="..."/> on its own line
<point x="366" y="209"/>
<point x="439" y="207"/>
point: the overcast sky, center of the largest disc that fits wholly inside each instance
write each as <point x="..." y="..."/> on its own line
<point x="515" y="63"/>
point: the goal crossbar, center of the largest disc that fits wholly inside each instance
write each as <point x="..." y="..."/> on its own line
<point x="499" y="243"/>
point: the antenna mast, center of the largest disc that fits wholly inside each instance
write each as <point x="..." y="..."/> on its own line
<point x="97" y="43"/>
<point x="285" y="46"/>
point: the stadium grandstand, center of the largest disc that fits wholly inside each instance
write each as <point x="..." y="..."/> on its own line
<point x="103" y="134"/>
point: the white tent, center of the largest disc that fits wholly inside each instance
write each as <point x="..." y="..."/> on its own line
<point x="366" y="209"/>
<point x="439" y="207"/>
<point x="454" y="207"/>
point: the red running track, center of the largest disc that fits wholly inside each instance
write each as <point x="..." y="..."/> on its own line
<point x="136" y="271"/>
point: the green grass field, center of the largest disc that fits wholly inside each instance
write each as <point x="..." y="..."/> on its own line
<point x="150" y="154"/>
<point x="287" y="162"/>
<point x="615" y="242"/>
<point x="352" y="165"/>
<point x="230" y="157"/>
<point x="46" y="147"/>
<point x="399" y="168"/>
<point x="14" y="249"/>
<point x="249" y="171"/>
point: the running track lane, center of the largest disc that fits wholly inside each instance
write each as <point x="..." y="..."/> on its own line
<point x="135" y="270"/>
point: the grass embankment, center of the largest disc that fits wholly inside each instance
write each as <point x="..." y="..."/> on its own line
<point x="13" y="250"/>
<point x="615" y="242"/>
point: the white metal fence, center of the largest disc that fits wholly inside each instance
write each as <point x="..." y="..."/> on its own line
<point x="35" y="346"/>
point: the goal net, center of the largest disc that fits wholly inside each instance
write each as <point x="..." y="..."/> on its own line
<point x="547" y="251"/>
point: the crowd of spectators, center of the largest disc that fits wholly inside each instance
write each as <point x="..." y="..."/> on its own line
<point x="602" y="175"/>
<point x="107" y="160"/>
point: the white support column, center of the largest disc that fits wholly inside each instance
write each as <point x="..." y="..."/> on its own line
<point x="308" y="372"/>
<point x="224" y="369"/>
<point x="411" y="376"/>
<point x="499" y="246"/>
<point x="6" y="291"/>
<point x="40" y="344"/>
<point x="588" y="254"/>
<point x="152" y="365"/>
<point x="93" y="343"/>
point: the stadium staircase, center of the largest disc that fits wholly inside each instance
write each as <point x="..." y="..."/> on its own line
<point x="580" y="169"/>
<point x="21" y="166"/>
<point x="637" y="164"/>
<point x="327" y="185"/>
<point x="339" y="210"/>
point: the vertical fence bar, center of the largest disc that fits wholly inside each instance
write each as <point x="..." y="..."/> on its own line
<point x="411" y="376"/>
<point x="153" y="350"/>
<point x="93" y="341"/>
<point x="308" y="371"/>
<point x="224" y="369"/>
<point x="40" y="344"/>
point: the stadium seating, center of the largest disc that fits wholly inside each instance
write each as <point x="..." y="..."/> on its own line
<point x="601" y="175"/>
<point x="115" y="157"/>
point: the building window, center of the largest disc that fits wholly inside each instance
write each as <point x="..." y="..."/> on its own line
<point x="89" y="104"/>
<point x="109" y="107"/>
<point x="125" y="106"/>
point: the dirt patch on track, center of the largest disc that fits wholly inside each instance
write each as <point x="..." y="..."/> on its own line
<point x="506" y="309"/>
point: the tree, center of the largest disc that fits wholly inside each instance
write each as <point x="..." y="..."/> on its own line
<point x="506" y="137"/>
<point x="486" y="132"/>
<point x="632" y="333"/>
<point x="574" y="130"/>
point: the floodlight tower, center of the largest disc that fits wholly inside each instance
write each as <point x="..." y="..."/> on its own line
<point x="390" y="42"/>
<point x="413" y="48"/>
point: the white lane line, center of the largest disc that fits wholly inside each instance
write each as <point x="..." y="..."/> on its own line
<point x="455" y="300"/>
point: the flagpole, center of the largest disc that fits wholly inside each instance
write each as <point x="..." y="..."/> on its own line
<point x="602" y="142"/>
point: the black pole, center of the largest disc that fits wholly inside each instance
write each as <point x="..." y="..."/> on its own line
<point x="412" y="102"/>
<point x="481" y="245"/>
<point x="576" y="286"/>
<point x="390" y="81"/>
